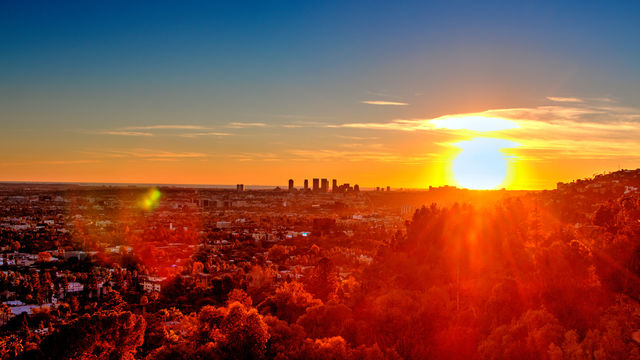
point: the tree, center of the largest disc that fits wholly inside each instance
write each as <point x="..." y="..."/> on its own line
<point x="289" y="301"/>
<point x="325" y="320"/>
<point x="605" y="215"/>
<point x="238" y="295"/>
<point x="5" y="313"/>
<point x="232" y="332"/>
<point x="101" y="336"/>
<point x="112" y="300"/>
<point x="325" y="280"/>
<point x="530" y="337"/>
<point x="10" y="347"/>
<point x="246" y="332"/>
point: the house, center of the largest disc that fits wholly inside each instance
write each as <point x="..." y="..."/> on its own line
<point x="152" y="283"/>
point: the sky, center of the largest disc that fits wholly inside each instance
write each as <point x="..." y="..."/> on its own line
<point x="367" y="92"/>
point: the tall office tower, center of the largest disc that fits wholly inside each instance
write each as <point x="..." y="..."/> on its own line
<point x="388" y="188"/>
<point x="325" y="185"/>
<point x="356" y="188"/>
<point x="290" y="184"/>
<point x="334" y="185"/>
<point x="316" y="184"/>
<point x="306" y="184"/>
<point x="240" y="187"/>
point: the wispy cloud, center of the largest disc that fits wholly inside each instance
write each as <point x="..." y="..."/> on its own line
<point x="357" y="138"/>
<point x="564" y="99"/>
<point x="383" y="102"/>
<point x="123" y="133"/>
<point x="166" y="127"/>
<point x="201" y="134"/>
<point x="51" y="162"/>
<point x="301" y="124"/>
<point x="298" y="116"/>
<point x="240" y="125"/>
<point x="362" y="145"/>
<point x="67" y="162"/>
<point x="256" y="156"/>
<point x="152" y="154"/>
<point x="188" y="131"/>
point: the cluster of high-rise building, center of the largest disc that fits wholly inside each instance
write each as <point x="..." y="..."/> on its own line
<point x="322" y="186"/>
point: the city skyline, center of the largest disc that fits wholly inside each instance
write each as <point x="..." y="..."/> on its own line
<point x="238" y="93"/>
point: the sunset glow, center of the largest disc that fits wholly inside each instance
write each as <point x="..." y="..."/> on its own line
<point x="288" y="180"/>
<point x="173" y="108"/>
<point x="474" y="123"/>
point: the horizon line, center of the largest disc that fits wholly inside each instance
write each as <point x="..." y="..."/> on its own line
<point x="232" y="186"/>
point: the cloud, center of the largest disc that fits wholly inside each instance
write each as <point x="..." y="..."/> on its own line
<point x="135" y="131"/>
<point x="298" y="116"/>
<point x="589" y="130"/>
<point x="577" y="149"/>
<point x="67" y="162"/>
<point x="50" y="162"/>
<point x="301" y="124"/>
<point x="382" y="102"/>
<point x="564" y="99"/>
<point x="240" y="125"/>
<point x="154" y="154"/>
<point x="123" y="133"/>
<point x="209" y="133"/>
<point x="255" y="156"/>
<point x="471" y="122"/>
<point x="362" y="146"/>
<point x="357" y="137"/>
<point x="166" y="127"/>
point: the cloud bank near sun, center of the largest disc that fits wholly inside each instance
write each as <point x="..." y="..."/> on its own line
<point x="573" y="128"/>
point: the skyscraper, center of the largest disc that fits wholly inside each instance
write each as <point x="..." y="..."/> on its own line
<point x="306" y="184"/>
<point x="334" y="185"/>
<point x="316" y="184"/>
<point x="290" y="184"/>
<point x="325" y="185"/>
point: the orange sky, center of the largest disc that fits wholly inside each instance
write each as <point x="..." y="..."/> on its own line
<point x="559" y="140"/>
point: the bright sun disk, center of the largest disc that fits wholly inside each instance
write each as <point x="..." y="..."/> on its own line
<point x="481" y="165"/>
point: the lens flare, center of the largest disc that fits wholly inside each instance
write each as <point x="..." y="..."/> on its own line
<point x="151" y="199"/>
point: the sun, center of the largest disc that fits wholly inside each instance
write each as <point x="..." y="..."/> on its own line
<point x="481" y="165"/>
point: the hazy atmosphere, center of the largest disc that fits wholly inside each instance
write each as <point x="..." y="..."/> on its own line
<point x="226" y="92"/>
